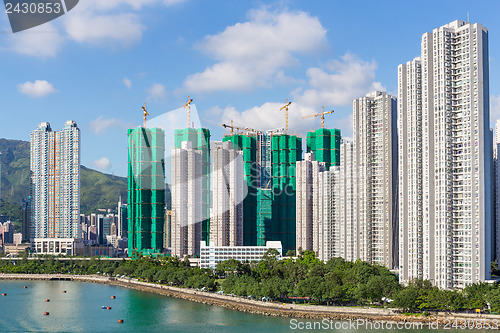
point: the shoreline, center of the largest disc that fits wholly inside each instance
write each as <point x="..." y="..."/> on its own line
<point x="311" y="312"/>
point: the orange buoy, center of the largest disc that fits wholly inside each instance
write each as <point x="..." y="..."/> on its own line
<point x="113" y="297"/>
<point x="4" y="294"/>
<point x="45" y="313"/>
<point x="64" y="291"/>
<point x="108" y="308"/>
<point x="47" y="300"/>
<point x="120" y="321"/>
<point x="25" y="287"/>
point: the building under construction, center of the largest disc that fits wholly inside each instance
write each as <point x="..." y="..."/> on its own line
<point x="269" y="168"/>
<point x="146" y="190"/>
<point x="325" y="144"/>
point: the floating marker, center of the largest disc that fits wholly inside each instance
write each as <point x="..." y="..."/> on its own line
<point x="47" y="300"/>
<point x="45" y="313"/>
<point x="120" y="321"/>
<point x="113" y="297"/>
<point x="4" y="294"/>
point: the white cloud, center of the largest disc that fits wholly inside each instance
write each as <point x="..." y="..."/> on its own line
<point x="157" y="91"/>
<point x="37" y="89"/>
<point x="108" y="23"/>
<point x="341" y="82"/>
<point x="100" y="5"/>
<point x="101" y="124"/>
<point x="252" y="53"/>
<point x="41" y="41"/>
<point x="127" y="83"/>
<point x="103" y="163"/>
<point x="104" y="30"/>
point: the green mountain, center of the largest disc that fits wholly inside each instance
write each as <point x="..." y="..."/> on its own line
<point x="98" y="190"/>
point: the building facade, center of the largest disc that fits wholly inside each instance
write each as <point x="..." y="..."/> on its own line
<point x="456" y="196"/>
<point x="228" y="191"/>
<point x="307" y="232"/>
<point x="349" y="246"/>
<point x="411" y="250"/>
<point x="212" y="255"/>
<point x="375" y="164"/>
<point x="200" y="141"/>
<point x="187" y="195"/>
<point x="55" y="182"/>
<point x="331" y="229"/>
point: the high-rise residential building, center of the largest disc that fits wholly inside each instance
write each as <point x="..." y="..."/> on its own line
<point x="348" y="223"/>
<point x="455" y="198"/>
<point x="122" y="222"/>
<point x="200" y="141"/>
<point x="187" y="195"/>
<point x="167" y="230"/>
<point x="55" y="182"/>
<point x="146" y="190"/>
<point x="25" y="228"/>
<point x="411" y="251"/>
<point x="307" y="173"/>
<point x="228" y="192"/>
<point x="496" y="148"/>
<point x="375" y="163"/>
<point x="331" y="240"/>
<point x="325" y="144"/>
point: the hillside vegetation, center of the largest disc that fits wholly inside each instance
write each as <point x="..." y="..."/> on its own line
<point x="98" y="190"/>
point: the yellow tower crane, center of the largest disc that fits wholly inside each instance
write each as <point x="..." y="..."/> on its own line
<point x="188" y="106"/>
<point x="285" y="107"/>
<point x="322" y="114"/>
<point x="144" y="115"/>
<point x="241" y="129"/>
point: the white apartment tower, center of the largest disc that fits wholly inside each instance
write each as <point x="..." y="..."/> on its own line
<point x="496" y="146"/>
<point x="331" y="234"/>
<point x="451" y="246"/>
<point x="410" y="196"/>
<point x="55" y="182"/>
<point x="348" y="226"/>
<point x="186" y="197"/>
<point x="375" y="164"/>
<point x="228" y="189"/>
<point x="307" y="203"/>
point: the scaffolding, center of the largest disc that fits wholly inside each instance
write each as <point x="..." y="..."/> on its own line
<point x="325" y="144"/>
<point x="146" y="190"/>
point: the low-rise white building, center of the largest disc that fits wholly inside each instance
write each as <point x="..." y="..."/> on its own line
<point x="210" y="256"/>
<point x="55" y="246"/>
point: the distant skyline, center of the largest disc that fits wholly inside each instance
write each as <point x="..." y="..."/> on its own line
<point x="99" y="63"/>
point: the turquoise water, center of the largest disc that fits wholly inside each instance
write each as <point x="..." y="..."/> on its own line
<point x="79" y="310"/>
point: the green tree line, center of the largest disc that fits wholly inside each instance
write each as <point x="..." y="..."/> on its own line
<point x="304" y="279"/>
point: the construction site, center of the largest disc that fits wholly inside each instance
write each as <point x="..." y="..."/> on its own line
<point x="268" y="169"/>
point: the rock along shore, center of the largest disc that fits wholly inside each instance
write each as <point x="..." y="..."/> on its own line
<point x="312" y="312"/>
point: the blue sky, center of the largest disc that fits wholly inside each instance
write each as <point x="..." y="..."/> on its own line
<point x="239" y="60"/>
